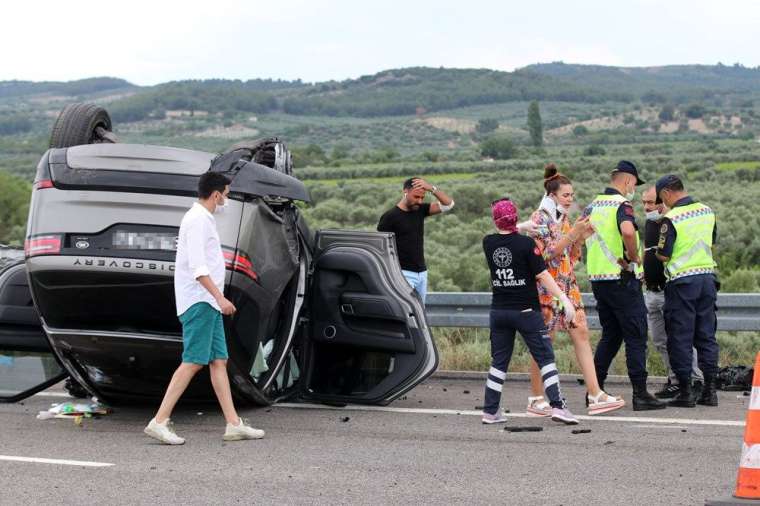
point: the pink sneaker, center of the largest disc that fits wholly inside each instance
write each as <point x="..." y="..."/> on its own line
<point x="564" y="415"/>
<point x="489" y="419"/>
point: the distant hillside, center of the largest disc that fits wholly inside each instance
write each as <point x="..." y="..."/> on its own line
<point x="213" y="95"/>
<point x="406" y="91"/>
<point x="398" y="92"/>
<point x="677" y="83"/>
<point x="415" y="90"/>
<point x="70" y="88"/>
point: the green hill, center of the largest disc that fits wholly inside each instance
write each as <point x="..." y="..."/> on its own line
<point x="415" y="90"/>
<point x="69" y="88"/>
<point x="676" y="83"/>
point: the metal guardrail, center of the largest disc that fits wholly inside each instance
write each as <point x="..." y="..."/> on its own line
<point x="736" y="311"/>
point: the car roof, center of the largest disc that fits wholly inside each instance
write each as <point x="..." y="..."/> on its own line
<point x="139" y="158"/>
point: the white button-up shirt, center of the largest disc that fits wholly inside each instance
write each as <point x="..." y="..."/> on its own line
<point x="199" y="253"/>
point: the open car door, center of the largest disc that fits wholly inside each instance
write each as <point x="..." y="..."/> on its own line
<point x="27" y="364"/>
<point x="367" y="337"/>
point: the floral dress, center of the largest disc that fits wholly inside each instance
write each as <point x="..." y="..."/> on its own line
<point x="562" y="268"/>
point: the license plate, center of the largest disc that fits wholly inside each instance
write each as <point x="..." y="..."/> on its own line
<point x="145" y="240"/>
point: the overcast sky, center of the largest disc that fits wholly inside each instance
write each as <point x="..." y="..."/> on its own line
<point x="147" y="42"/>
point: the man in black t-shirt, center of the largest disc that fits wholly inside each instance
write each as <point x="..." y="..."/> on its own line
<point x="407" y="221"/>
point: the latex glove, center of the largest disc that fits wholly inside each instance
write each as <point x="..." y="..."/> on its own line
<point x="568" y="308"/>
<point x="527" y="228"/>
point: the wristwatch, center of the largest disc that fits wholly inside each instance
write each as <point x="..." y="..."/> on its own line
<point x="433" y="189"/>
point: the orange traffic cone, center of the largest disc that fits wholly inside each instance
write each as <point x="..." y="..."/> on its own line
<point x="748" y="481"/>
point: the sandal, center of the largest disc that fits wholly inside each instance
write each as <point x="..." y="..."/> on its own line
<point x="603" y="403"/>
<point x="537" y="406"/>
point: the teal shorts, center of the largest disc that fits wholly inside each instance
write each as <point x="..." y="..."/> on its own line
<point x="202" y="334"/>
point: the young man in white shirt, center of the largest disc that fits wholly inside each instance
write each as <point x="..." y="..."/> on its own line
<point x="198" y="288"/>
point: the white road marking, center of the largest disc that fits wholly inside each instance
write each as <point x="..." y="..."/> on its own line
<point x="61" y="462"/>
<point x="53" y="394"/>
<point x="466" y="412"/>
<point x="682" y="427"/>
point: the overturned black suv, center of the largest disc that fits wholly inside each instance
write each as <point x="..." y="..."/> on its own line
<point x="326" y="316"/>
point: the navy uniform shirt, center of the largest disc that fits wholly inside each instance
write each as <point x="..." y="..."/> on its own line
<point x="668" y="231"/>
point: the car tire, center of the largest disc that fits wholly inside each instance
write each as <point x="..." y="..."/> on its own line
<point x="270" y="152"/>
<point x="74" y="389"/>
<point x="81" y="123"/>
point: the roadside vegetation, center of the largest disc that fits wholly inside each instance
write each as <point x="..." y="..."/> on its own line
<point x="478" y="134"/>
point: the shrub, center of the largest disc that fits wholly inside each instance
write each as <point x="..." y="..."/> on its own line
<point x="498" y="147"/>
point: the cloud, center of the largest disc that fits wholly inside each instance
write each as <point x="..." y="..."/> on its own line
<point x="155" y="41"/>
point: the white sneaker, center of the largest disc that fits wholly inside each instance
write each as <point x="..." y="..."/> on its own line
<point x="603" y="403"/>
<point x="164" y="432"/>
<point x="242" y="431"/>
<point x="537" y="406"/>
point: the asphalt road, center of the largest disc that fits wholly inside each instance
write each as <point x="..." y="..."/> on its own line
<point x="429" y="447"/>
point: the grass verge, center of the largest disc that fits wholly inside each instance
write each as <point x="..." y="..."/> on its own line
<point x="469" y="350"/>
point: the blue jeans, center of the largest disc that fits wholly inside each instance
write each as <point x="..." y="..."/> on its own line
<point x="418" y="281"/>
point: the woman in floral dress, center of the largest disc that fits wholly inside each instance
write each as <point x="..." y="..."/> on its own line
<point x="560" y="245"/>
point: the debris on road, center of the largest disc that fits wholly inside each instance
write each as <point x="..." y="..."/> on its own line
<point x="76" y="411"/>
<point x="581" y="431"/>
<point x="528" y="428"/>
<point x="345" y="419"/>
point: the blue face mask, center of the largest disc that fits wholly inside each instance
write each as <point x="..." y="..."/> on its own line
<point x="654" y="215"/>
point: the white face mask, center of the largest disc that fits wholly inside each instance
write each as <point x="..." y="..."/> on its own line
<point x="221" y="208"/>
<point x="654" y="215"/>
<point x="631" y="194"/>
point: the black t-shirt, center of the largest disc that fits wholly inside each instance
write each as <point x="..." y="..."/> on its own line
<point x="515" y="261"/>
<point x="654" y="270"/>
<point x="409" y="227"/>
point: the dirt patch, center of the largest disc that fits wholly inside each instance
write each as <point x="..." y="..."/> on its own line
<point x="236" y="131"/>
<point x="462" y="126"/>
<point x="698" y="125"/>
<point x="650" y="115"/>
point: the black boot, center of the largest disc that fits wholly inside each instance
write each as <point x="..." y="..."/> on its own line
<point x="668" y="391"/>
<point x="696" y="387"/>
<point x="644" y="401"/>
<point x="685" y="397"/>
<point x="709" y="395"/>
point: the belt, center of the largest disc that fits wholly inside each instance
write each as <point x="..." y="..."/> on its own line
<point x="655" y="288"/>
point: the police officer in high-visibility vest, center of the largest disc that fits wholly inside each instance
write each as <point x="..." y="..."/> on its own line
<point x="614" y="269"/>
<point x="687" y="234"/>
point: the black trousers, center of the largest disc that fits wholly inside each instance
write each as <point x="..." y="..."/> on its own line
<point x="623" y="316"/>
<point x="690" y="323"/>
<point x="530" y="324"/>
